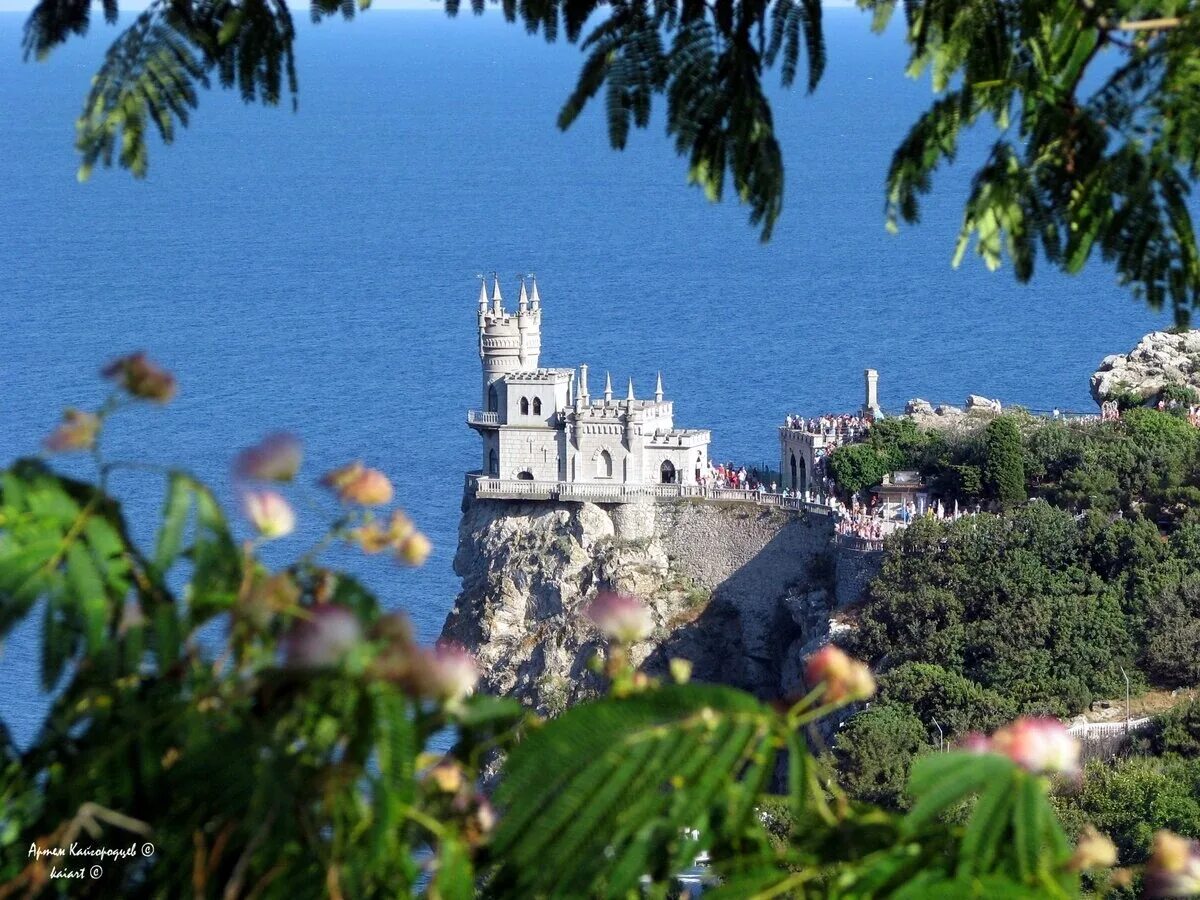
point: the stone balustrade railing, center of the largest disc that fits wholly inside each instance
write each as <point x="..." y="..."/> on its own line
<point x="480" y="417"/>
<point x="599" y="492"/>
<point x="858" y="543"/>
<point x="1087" y="730"/>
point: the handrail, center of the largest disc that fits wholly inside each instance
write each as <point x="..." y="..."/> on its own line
<point x="482" y="417"/>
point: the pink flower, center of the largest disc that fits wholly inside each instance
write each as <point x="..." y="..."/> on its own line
<point x="1038" y="745"/>
<point x="1093" y="850"/>
<point x="76" y="432"/>
<point x="976" y="742"/>
<point x="447" y="672"/>
<point x="269" y="513"/>
<point x="275" y="458"/>
<point x="355" y="483"/>
<point x="1174" y="867"/>
<point x="322" y="639"/>
<point x="845" y="679"/>
<point x="141" y="377"/>
<point x="622" y="618"/>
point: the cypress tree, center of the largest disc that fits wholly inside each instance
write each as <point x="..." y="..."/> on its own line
<point x="1004" y="462"/>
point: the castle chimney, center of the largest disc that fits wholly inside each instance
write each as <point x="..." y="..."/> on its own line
<point x="523" y="302"/>
<point x="629" y="395"/>
<point x="583" y="387"/>
<point x="607" y="387"/>
<point x="658" y="395"/>
<point x="536" y="300"/>
<point x="497" y="300"/>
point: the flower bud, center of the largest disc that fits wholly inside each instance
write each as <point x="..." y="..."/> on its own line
<point x="1039" y="745"/>
<point x="269" y="513"/>
<point x="370" y="537"/>
<point x="621" y="618"/>
<point x="446" y="673"/>
<point x="415" y="549"/>
<point x="322" y="638"/>
<point x="355" y="483"/>
<point x="681" y="670"/>
<point x="76" y="432"/>
<point x="1174" y="867"/>
<point x="845" y="679"/>
<point x="276" y="457"/>
<point x="1093" y="850"/>
<point x="139" y="376"/>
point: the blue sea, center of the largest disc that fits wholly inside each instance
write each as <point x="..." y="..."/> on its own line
<point x="315" y="271"/>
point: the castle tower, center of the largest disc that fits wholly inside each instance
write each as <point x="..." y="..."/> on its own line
<point x="507" y="342"/>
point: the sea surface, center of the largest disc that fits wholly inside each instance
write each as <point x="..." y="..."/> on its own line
<point x="315" y="271"/>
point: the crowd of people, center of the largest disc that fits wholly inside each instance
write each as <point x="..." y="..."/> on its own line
<point x="845" y="425"/>
<point x="729" y="475"/>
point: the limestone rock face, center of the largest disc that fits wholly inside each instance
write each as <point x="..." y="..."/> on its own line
<point x="736" y="589"/>
<point x="1161" y="358"/>
<point x="918" y="407"/>
<point x="978" y="402"/>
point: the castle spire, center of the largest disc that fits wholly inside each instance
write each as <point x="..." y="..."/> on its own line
<point x="536" y="300"/>
<point x="607" y="386"/>
<point x="482" y="293"/>
<point x="629" y="395"/>
<point x="496" y="298"/>
<point x="523" y="302"/>
<point x="658" y="395"/>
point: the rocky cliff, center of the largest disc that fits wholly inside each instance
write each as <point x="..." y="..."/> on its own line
<point x="1161" y="358"/>
<point x="737" y="589"/>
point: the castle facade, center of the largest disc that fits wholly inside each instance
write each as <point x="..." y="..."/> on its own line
<point x="543" y="424"/>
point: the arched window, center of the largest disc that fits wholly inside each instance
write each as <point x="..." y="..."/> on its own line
<point x="803" y="478"/>
<point x="667" y="470"/>
<point x="493" y="464"/>
<point x="537" y="406"/>
<point x="795" y="482"/>
<point x="493" y="399"/>
<point x="604" y="467"/>
<point x="524" y="406"/>
<point x="525" y="476"/>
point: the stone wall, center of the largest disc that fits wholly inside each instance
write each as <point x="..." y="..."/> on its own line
<point x="854" y="569"/>
<point x="737" y="589"/>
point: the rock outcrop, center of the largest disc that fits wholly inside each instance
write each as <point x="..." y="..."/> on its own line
<point x="1160" y="359"/>
<point x="737" y="589"/>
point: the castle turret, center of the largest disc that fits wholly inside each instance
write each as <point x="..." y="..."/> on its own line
<point x="536" y="300"/>
<point x="629" y="393"/>
<point x="583" y="385"/>
<point x="658" y="391"/>
<point x="608" y="387"/>
<point x="507" y="343"/>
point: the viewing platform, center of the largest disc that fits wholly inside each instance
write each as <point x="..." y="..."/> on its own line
<point x="591" y="492"/>
<point x="480" y="417"/>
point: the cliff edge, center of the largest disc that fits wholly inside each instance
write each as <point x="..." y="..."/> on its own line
<point x="737" y="589"/>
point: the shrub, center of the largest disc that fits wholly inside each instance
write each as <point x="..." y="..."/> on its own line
<point x="1004" y="462"/>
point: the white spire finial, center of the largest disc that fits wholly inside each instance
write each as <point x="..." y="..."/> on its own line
<point x="535" y="299"/>
<point x="482" y="291"/>
<point x="496" y="298"/>
<point x="629" y="394"/>
<point x="607" y="386"/>
<point x="523" y="301"/>
<point x="658" y="395"/>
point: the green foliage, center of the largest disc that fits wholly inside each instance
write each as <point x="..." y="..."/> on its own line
<point x="1009" y="603"/>
<point x="1003" y="461"/>
<point x="875" y="751"/>
<point x="856" y="467"/>
<point x="956" y="703"/>
<point x="1064" y="179"/>
<point x="1179" y="393"/>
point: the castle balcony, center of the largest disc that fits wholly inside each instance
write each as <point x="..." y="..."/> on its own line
<point x="478" y="418"/>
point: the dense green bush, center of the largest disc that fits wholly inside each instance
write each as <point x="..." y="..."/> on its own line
<point x="1003" y="461"/>
<point x="875" y="752"/>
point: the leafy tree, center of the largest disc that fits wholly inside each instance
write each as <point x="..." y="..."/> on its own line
<point x="1064" y="82"/>
<point x="1003" y="461"/>
<point x="1172" y="654"/>
<point x="856" y="467"/>
<point x="875" y="752"/>
<point x="934" y="694"/>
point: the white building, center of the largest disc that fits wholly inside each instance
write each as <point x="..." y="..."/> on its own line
<point x="539" y="424"/>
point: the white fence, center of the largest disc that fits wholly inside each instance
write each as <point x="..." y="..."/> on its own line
<point x="598" y="492"/>
<point x="1087" y="730"/>
<point x="479" y="417"/>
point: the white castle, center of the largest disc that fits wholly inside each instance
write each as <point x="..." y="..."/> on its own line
<point x="539" y="425"/>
